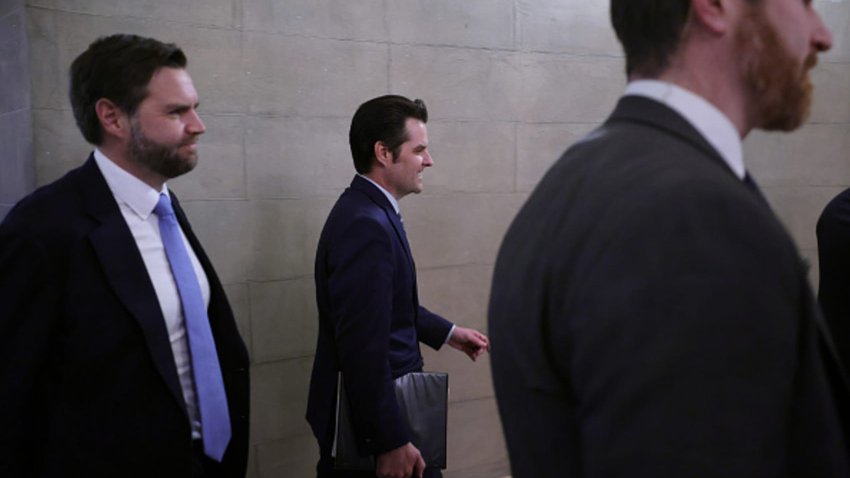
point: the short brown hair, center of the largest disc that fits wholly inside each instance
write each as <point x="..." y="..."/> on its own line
<point x="118" y="68"/>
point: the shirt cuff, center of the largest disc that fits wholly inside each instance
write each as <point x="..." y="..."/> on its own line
<point x="448" y="337"/>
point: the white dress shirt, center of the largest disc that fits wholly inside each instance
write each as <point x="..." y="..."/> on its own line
<point x="394" y="202"/>
<point x="137" y="200"/>
<point x="711" y="123"/>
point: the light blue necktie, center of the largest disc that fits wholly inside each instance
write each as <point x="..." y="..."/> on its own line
<point x="212" y="400"/>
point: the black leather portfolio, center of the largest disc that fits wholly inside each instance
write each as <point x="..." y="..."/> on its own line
<point x="423" y="401"/>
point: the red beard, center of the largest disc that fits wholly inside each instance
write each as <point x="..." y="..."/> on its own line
<point x="778" y="83"/>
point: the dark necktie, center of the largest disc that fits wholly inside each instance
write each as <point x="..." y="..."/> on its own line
<point x="750" y="183"/>
<point x="748" y="180"/>
<point x="212" y="400"/>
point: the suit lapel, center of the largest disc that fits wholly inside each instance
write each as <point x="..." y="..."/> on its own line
<point x="126" y="273"/>
<point x="381" y="201"/>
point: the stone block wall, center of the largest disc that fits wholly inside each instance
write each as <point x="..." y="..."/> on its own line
<point x="509" y="85"/>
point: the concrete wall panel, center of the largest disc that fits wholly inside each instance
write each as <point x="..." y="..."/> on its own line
<point x="475" y="436"/>
<point x="218" y="13"/>
<point x="220" y="173"/>
<point x="467" y="230"/>
<point x="285" y="318"/>
<point x="471" y="23"/>
<point x="836" y="16"/>
<point x="14" y="58"/>
<point x="331" y="80"/>
<point x="458" y="83"/>
<point x="282" y="165"/>
<point x="339" y="19"/>
<point x="816" y="155"/>
<point x="57" y="144"/>
<point x="286" y="234"/>
<point x="566" y="88"/>
<point x="279" y="400"/>
<point x="470" y="157"/>
<point x="566" y="27"/>
<point x="17" y="172"/>
<point x="296" y="456"/>
<point x="223" y="227"/>
<point x="461" y="295"/>
<point x="237" y="295"/>
<point x="831" y="81"/>
<point x="799" y="209"/>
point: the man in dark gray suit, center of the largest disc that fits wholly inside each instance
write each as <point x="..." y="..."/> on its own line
<point x="649" y="314"/>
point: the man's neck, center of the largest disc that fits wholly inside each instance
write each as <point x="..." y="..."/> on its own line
<point x="390" y="197"/>
<point x="704" y="68"/>
<point x="118" y="154"/>
<point x="380" y="181"/>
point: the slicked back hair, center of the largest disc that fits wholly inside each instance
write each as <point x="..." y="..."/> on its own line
<point x="382" y="119"/>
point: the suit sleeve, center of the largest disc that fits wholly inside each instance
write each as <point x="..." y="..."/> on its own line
<point x="432" y="329"/>
<point x="28" y="314"/>
<point x="833" y="233"/>
<point x="691" y="344"/>
<point x="360" y="288"/>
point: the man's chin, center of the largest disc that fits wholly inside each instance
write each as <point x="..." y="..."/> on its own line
<point x="180" y="167"/>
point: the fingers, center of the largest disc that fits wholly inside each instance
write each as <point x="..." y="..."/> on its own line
<point x="482" y="340"/>
<point x="419" y="468"/>
<point x="470" y="341"/>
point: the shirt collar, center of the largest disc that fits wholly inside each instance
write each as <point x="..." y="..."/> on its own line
<point x="127" y="188"/>
<point x="709" y="121"/>
<point x="389" y="196"/>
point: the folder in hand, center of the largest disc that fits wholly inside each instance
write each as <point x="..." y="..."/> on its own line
<point x="423" y="402"/>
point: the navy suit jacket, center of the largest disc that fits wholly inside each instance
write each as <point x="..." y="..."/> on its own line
<point x="88" y="384"/>
<point x="370" y="320"/>
<point x="833" y="232"/>
<point x="651" y="317"/>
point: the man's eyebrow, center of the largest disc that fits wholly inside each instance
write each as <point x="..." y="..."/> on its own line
<point x="177" y="106"/>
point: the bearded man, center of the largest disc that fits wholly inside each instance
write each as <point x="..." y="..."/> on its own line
<point x="649" y="314"/>
<point x="119" y="353"/>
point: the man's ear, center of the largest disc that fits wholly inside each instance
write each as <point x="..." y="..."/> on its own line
<point x="383" y="154"/>
<point x="112" y="119"/>
<point x="715" y="16"/>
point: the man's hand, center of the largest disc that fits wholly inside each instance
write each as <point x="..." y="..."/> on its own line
<point x="402" y="462"/>
<point x="469" y="341"/>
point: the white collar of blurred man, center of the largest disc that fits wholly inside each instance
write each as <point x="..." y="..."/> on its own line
<point x="750" y="59"/>
<point x="711" y="123"/>
<point x="401" y="174"/>
<point x="159" y="141"/>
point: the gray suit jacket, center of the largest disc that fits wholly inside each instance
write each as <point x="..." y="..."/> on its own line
<point x="651" y="317"/>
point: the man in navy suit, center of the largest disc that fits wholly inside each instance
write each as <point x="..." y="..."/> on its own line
<point x="650" y="315"/>
<point x="370" y="319"/>
<point x="833" y="233"/>
<point x="119" y="353"/>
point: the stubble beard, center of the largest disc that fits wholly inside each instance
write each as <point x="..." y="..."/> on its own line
<point x="165" y="160"/>
<point x="779" y="84"/>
